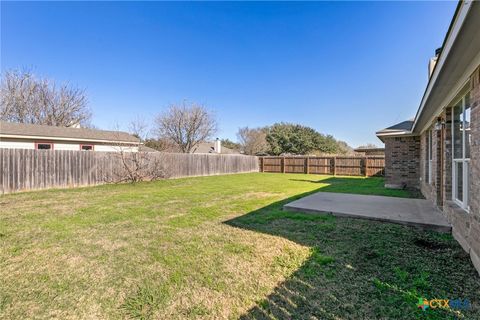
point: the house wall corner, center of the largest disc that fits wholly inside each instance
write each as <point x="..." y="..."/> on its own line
<point x="402" y="162"/>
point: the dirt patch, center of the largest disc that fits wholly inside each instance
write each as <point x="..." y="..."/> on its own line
<point x="428" y="244"/>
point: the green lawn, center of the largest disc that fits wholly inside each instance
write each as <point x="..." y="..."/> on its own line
<point x="220" y="247"/>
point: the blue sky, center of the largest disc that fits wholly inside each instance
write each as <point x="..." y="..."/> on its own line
<point x="344" y="68"/>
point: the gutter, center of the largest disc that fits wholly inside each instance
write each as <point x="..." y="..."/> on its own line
<point x="392" y="134"/>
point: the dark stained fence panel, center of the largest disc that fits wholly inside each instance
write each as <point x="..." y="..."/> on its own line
<point x="272" y="164"/>
<point x="339" y="165"/>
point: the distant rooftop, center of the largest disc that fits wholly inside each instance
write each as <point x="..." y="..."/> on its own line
<point x="208" y="147"/>
<point x="35" y="130"/>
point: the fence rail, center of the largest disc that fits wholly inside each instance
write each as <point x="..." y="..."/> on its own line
<point x="23" y="169"/>
<point x="348" y="166"/>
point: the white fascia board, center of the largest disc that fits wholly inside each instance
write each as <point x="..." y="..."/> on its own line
<point x="382" y="135"/>
<point x="13" y="136"/>
<point x="465" y="7"/>
<point x="459" y="87"/>
<point x="394" y="133"/>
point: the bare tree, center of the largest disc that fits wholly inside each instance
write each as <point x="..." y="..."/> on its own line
<point x="253" y="141"/>
<point x="186" y="126"/>
<point x="19" y="98"/>
<point x="27" y="99"/>
<point x="135" y="165"/>
<point x="138" y="166"/>
<point x="139" y="128"/>
<point x="162" y="145"/>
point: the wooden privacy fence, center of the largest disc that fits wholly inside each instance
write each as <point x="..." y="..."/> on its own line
<point x="348" y="166"/>
<point x="23" y="169"/>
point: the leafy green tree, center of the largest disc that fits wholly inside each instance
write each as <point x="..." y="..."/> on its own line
<point x="292" y="138"/>
<point x="297" y="139"/>
<point x="344" y="148"/>
<point x="368" y="146"/>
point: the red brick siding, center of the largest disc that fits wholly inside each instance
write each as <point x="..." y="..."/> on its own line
<point x="447" y="159"/>
<point x="475" y="145"/>
<point x="406" y="166"/>
<point x="433" y="190"/>
<point x="426" y="188"/>
<point x="402" y="162"/>
<point x="466" y="226"/>
<point x="474" y="234"/>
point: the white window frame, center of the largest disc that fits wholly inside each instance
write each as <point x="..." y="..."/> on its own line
<point x="463" y="160"/>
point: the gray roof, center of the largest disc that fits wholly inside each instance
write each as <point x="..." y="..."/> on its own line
<point x="400" y="129"/>
<point x="22" y="129"/>
<point x="402" y="126"/>
<point x="208" y="147"/>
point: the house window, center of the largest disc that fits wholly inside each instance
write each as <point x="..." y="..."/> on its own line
<point x="86" y="147"/>
<point x="430" y="157"/>
<point x="461" y="137"/>
<point x="44" y="146"/>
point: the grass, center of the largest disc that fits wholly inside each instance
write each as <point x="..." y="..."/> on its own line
<point x="220" y="247"/>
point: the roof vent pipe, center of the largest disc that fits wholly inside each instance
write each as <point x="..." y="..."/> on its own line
<point x="433" y="62"/>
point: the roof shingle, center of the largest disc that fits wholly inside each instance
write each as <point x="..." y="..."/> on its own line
<point x="22" y="129"/>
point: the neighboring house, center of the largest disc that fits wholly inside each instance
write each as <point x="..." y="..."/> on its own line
<point x="438" y="151"/>
<point x="213" y="147"/>
<point x="370" y="151"/>
<point x="33" y="136"/>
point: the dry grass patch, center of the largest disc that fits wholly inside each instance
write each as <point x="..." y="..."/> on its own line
<point x="216" y="248"/>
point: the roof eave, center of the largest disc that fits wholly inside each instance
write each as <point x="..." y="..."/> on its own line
<point x="393" y="134"/>
<point x="16" y="136"/>
<point x="458" y="19"/>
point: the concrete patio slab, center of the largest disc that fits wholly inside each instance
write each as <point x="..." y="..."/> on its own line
<point x="413" y="212"/>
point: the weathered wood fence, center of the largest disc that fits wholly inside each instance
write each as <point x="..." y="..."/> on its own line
<point x="23" y="169"/>
<point x="341" y="165"/>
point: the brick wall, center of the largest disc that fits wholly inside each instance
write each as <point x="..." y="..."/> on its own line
<point x="425" y="186"/>
<point x="402" y="162"/>
<point x="432" y="189"/>
<point x="466" y="226"/>
<point x="406" y="166"/>
<point x="475" y="145"/>
<point x="473" y="236"/>
<point x="447" y="157"/>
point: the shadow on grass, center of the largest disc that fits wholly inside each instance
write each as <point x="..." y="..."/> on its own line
<point x="361" y="269"/>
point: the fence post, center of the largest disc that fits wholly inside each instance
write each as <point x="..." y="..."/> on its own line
<point x="23" y="169"/>
<point x="283" y="164"/>
<point x="261" y="164"/>
<point x="307" y="165"/>
<point x="366" y="166"/>
<point x="334" y="159"/>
